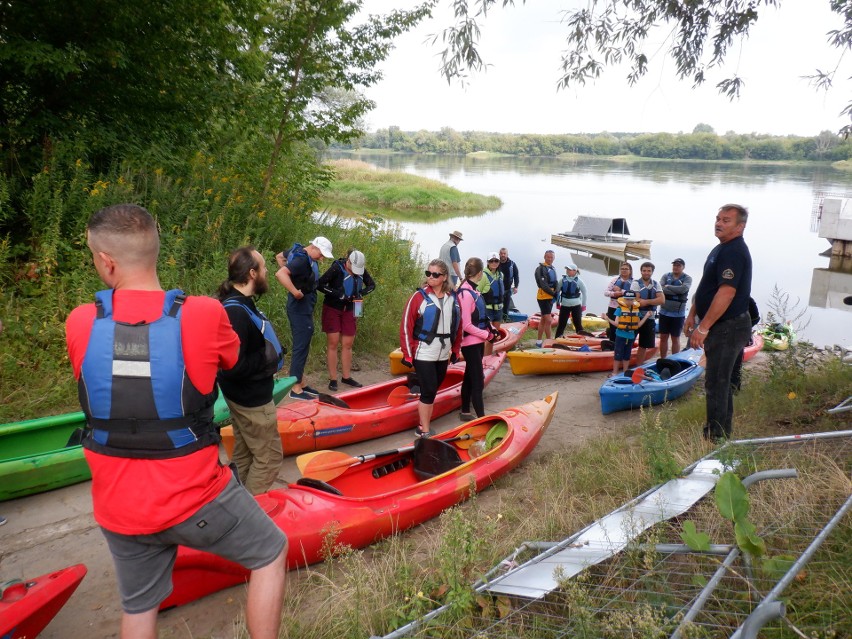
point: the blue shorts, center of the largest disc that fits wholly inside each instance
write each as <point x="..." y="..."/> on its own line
<point x="671" y="325"/>
<point x="623" y="348"/>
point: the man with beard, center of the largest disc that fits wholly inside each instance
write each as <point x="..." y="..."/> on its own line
<point x="247" y="386"/>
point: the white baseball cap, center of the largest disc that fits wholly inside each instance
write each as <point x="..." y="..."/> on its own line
<point x="324" y="245"/>
<point x="493" y="256"/>
<point x="357" y="262"/>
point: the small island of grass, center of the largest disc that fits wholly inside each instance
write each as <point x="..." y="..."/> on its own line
<point x="360" y="183"/>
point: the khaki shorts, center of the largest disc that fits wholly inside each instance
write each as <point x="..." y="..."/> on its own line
<point x="232" y="526"/>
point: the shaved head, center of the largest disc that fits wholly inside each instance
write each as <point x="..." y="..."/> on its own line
<point x="127" y="233"/>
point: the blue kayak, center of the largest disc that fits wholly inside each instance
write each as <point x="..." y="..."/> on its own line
<point x="664" y="380"/>
<point x="516" y="316"/>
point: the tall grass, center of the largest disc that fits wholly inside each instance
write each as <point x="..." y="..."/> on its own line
<point x="373" y="591"/>
<point x="363" y="184"/>
<point x="203" y="213"/>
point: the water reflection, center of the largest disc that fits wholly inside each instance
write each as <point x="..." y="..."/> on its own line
<point x="673" y="204"/>
<point x="695" y="173"/>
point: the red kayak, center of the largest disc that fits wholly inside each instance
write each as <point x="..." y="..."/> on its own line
<point x="374" y="496"/>
<point x="510" y="334"/>
<point x="26" y="607"/>
<point x="754" y="348"/>
<point x="535" y="320"/>
<point x="363" y="413"/>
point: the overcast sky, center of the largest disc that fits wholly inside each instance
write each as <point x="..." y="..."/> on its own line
<point x="518" y="92"/>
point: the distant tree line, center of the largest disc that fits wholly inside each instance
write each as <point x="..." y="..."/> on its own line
<point x="701" y="144"/>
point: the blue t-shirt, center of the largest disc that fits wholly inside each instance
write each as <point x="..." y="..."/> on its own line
<point x="729" y="264"/>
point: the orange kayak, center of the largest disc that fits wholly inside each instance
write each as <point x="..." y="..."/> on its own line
<point x="549" y="361"/>
<point x="362" y="413"/>
<point x="510" y="334"/>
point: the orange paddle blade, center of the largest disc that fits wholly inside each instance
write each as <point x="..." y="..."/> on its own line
<point x="638" y="375"/>
<point x="400" y="395"/>
<point x="471" y="434"/>
<point x="321" y="458"/>
<point x="328" y="464"/>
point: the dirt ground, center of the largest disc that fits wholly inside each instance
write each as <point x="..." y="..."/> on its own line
<point x="52" y="530"/>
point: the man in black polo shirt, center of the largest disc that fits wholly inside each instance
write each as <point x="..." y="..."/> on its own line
<point x="719" y="321"/>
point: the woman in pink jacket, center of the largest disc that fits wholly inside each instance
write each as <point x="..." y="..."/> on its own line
<point x="476" y="330"/>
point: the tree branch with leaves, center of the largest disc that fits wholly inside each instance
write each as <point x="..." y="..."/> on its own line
<point x="611" y="32"/>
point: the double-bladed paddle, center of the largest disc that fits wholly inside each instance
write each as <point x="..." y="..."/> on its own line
<point x="401" y="394"/>
<point x="328" y="464"/>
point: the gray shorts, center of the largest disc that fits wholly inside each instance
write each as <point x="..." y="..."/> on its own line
<point x="232" y="526"/>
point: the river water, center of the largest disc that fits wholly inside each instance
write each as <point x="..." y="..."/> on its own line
<point x="673" y="204"/>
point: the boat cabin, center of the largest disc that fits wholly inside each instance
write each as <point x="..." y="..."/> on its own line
<point x="600" y="228"/>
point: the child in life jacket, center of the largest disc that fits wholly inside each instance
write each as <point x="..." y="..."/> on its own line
<point x="626" y="323"/>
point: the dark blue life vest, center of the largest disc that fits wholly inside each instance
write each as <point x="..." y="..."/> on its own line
<point x="551" y="276"/>
<point x="426" y="326"/>
<point x="680" y="298"/>
<point x="352" y="284"/>
<point x="623" y="284"/>
<point x="477" y="315"/>
<point x="570" y="288"/>
<point x="134" y="389"/>
<point x="274" y="352"/>
<point x="306" y="283"/>
<point x="494" y="295"/>
<point x="648" y="293"/>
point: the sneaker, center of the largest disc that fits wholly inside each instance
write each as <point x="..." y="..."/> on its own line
<point x="425" y="434"/>
<point x="351" y="382"/>
<point x="467" y="417"/>
<point x="310" y="391"/>
<point x="538" y="343"/>
<point x="302" y="395"/>
<point x="2" y="520"/>
<point x="332" y="384"/>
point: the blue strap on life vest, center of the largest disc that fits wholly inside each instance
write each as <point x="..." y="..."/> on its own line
<point x="477" y="316"/>
<point x="274" y="350"/>
<point x="352" y="284"/>
<point x="426" y="326"/>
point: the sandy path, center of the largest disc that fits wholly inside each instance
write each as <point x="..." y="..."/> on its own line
<point x="49" y="531"/>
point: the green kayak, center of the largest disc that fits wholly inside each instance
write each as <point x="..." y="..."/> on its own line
<point x="35" y="454"/>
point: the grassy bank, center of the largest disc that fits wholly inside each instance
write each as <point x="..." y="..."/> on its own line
<point x="362" y="184"/>
<point x="371" y="592"/>
<point x="203" y="214"/>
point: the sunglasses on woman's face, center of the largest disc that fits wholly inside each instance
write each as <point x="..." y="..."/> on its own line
<point x="435" y="275"/>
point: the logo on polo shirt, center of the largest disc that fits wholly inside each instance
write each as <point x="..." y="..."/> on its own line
<point x="727" y="274"/>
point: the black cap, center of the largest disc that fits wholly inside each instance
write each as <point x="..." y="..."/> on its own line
<point x="679" y="260"/>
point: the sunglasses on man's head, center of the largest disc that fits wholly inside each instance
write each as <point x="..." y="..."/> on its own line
<point x="431" y="274"/>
